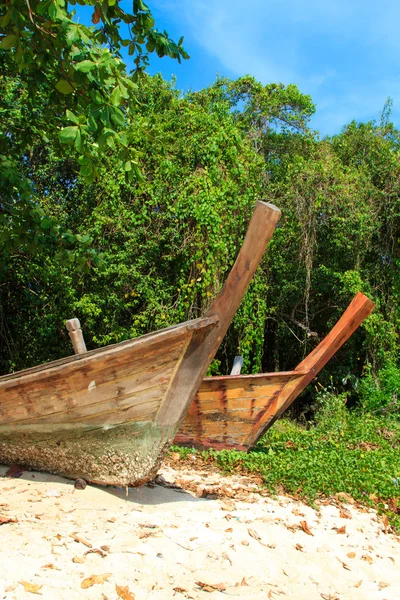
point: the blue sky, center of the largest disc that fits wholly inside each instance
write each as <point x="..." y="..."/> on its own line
<point x="345" y="54"/>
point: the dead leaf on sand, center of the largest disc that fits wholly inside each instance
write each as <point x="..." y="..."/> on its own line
<point x="299" y="547"/>
<point x="382" y="585"/>
<point x="209" y="587"/>
<point x="305" y="527"/>
<point x="51" y="566"/>
<point x="386" y="523"/>
<point x="367" y="558"/>
<point x="254" y="534"/>
<point x="14" y="472"/>
<point x="341" y="529"/>
<point x="329" y="597"/>
<point x="5" y="520"/>
<point x="33" y="588"/>
<point x="79" y="560"/>
<point x="93" y="579"/>
<point x="357" y="585"/>
<point x="345" y="514"/>
<point x="351" y="555"/>
<point x="124" y="592"/>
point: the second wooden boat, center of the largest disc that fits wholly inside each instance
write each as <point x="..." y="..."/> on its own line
<point x="234" y="411"/>
<point x="107" y="415"/>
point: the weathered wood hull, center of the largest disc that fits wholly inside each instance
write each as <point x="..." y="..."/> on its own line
<point x="107" y="415"/>
<point x="234" y="411"/>
<point x="95" y="415"/>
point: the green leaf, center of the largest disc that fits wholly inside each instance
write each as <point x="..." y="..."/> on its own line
<point x="5" y="19"/>
<point x="85" y="66"/>
<point x="116" y="96"/>
<point x="117" y="117"/>
<point x="70" y="115"/>
<point x="78" y="140"/>
<point x="96" y="97"/>
<point x="46" y="223"/>
<point x="68" y="134"/>
<point x="64" y="87"/>
<point x="8" y="42"/>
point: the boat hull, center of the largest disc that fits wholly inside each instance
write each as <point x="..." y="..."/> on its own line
<point x="226" y="408"/>
<point x="127" y="454"/>
<point x="95" y="415"/>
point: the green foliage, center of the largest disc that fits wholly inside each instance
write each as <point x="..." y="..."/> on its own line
<point x="140" y="253"/>
<point x="64" y="85"/>
<point x="379" y="394"/>
<point x="360" y="458"/>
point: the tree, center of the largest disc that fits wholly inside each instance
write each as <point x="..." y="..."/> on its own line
<point x="73" y="94"/>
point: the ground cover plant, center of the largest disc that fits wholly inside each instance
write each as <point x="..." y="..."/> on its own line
<point x="342" y="452"/>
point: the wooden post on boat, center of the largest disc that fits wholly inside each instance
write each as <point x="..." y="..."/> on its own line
<point x="354" y="315"/>
<point x="237" y="365"/>
<point x="261" y="227"/>
<point x="75" y="333"/>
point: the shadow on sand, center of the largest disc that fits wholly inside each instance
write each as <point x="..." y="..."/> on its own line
<point x="151" y="494"/>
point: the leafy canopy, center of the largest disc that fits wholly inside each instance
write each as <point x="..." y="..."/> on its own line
<point x="50" y="48"/>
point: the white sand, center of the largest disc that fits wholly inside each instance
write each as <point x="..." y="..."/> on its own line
<point x="157" y="542"/>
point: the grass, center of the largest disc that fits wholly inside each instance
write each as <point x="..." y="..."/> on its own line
<point x="345" y="451"/>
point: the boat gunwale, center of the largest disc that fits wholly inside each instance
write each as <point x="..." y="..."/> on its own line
<point x="191" y="326"/>
<point x="273" y="375"/>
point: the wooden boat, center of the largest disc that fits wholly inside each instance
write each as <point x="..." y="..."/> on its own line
<point x="107" y="415"/>
<point x="234" y="411"/>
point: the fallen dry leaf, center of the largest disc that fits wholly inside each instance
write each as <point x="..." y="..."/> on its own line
<point x="14" y="472"/>
<point x="367" y="558"/>
<point x="33" y="588"/>
<point x="93" y="579"/>
<point x="79" y="560"/>
<point x="341" y="529"/>
<point x="50" y="566"/>
<point x="209" y="587"/>
<point x="299" y="547"/>
<point x="228" y="507"/>
<point x="351" y="554"/>
<point x="245" y="543"/>
<point x="345" y="514"/>
<point x="305" y="527"/>
<point x="124" y="592"/>
<point x="254" y="534"/>
<point x="5" y="520"/>
<point x="346" y="566"/>
<point x="382" y="585"/>
<point x="357" y="585"/>
<point x="243" y="582"/>
<point x="386" y="523"/>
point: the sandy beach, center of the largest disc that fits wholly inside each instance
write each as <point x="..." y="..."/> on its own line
<point x="192" y="534"/>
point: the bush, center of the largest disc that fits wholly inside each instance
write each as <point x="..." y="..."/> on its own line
<point x="380" y="394"/>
